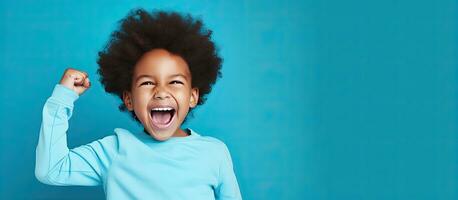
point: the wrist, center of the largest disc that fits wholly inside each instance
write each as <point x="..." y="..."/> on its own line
<point x="64" y="94"/>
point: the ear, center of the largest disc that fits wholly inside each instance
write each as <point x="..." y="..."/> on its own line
<point x="127" y="98"/>
<point x="194" y="97"/>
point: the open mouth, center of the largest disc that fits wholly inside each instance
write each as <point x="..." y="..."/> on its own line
<point x="162" y="117"/>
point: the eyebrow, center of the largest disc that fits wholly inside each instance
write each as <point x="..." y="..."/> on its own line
<point x="148" y="76"/>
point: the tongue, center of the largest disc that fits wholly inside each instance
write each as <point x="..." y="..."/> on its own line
<point x="161" y="117"/>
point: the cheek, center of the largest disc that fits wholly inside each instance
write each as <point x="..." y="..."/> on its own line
<point x="140" y="100"/>
<point x="183" y="97"/>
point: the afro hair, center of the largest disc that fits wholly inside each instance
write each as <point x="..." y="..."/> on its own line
<point x="140" y="32"/>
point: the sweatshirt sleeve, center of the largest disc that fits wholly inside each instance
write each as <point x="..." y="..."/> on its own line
<point x="228" y="188"/>
<point x="56" y="164"/>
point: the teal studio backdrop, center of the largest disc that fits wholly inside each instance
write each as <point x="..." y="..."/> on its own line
<point x="319" y="99"/>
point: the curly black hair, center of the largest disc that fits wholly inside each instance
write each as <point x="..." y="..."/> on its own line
<point x="140" y="32"/>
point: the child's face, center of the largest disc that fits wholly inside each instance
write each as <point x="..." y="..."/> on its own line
<point x="161" y="93"/>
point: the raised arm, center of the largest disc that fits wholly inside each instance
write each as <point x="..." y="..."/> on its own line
<point x="56" y="164"/>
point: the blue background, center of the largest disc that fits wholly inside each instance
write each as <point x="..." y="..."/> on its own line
<point x="319" y="99"/>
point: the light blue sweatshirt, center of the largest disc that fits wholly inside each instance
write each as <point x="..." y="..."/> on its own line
<point x="132" y="165"/>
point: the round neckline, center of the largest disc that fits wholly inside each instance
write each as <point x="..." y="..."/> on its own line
<point x="150" y="139"/>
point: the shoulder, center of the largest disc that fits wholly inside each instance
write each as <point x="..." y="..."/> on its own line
<point x="213" y="140"/>
<point x="123" y="133"/>
<point x="125" y="137"/>
<point x="106" y="147"/>
<point x="221" y="154"/>
<point x="116" y="142"/>
<point x="217" y="145"/>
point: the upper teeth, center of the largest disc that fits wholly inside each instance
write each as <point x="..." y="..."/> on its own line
<point x="162" y="109"/>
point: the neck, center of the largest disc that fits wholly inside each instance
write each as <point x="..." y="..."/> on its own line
<point x="180" y="133"/>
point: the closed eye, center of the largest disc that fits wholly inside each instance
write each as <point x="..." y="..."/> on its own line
<point x="147" y="83"/>
<point x="176" y="82"/>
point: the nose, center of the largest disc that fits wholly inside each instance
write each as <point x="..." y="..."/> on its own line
<point x="161" y="93"/>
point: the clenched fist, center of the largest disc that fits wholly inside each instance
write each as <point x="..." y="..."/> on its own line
<point x="75" y="80"/>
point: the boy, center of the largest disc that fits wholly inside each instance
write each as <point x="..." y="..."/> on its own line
<point x="161" y="65"/>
